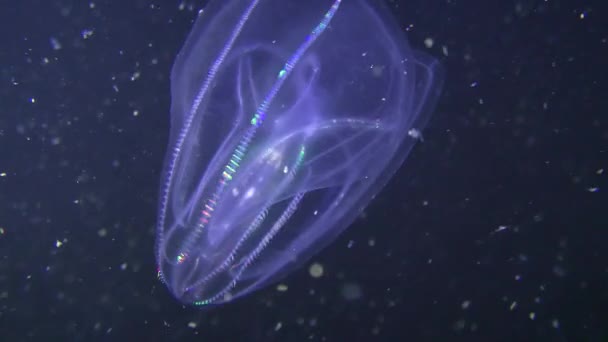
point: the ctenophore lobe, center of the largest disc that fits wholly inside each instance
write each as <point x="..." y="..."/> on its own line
<point x="287" y="117"/>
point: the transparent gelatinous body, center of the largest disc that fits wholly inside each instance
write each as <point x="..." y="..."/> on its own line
<point x="287" y="117"/>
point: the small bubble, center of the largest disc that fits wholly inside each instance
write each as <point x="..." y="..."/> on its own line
<point x="315" y="270"/>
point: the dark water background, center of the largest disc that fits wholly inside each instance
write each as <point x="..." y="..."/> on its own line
<point x="495" y="228"/>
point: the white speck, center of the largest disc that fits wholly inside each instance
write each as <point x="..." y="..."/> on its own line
<point x="55" y="141"/>
<point x="250" y="192"/>
<point x="55" y="44"/>
<point x="444" y="49"/>
<point x="135" y="75"/>
<point x="559" y="271"/>
<point x="416" y="134"/>
<point x="87" y="33"/>
<point x="235" y="192"/>
<point x="315" y="270"/>
<point x="500" y="229"/>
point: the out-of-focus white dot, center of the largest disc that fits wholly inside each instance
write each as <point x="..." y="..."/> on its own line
<point x="316" y="270"/>
<point x="351" y="291"/>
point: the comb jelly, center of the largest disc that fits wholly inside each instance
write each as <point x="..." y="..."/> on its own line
<point x="287" y="117"/>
